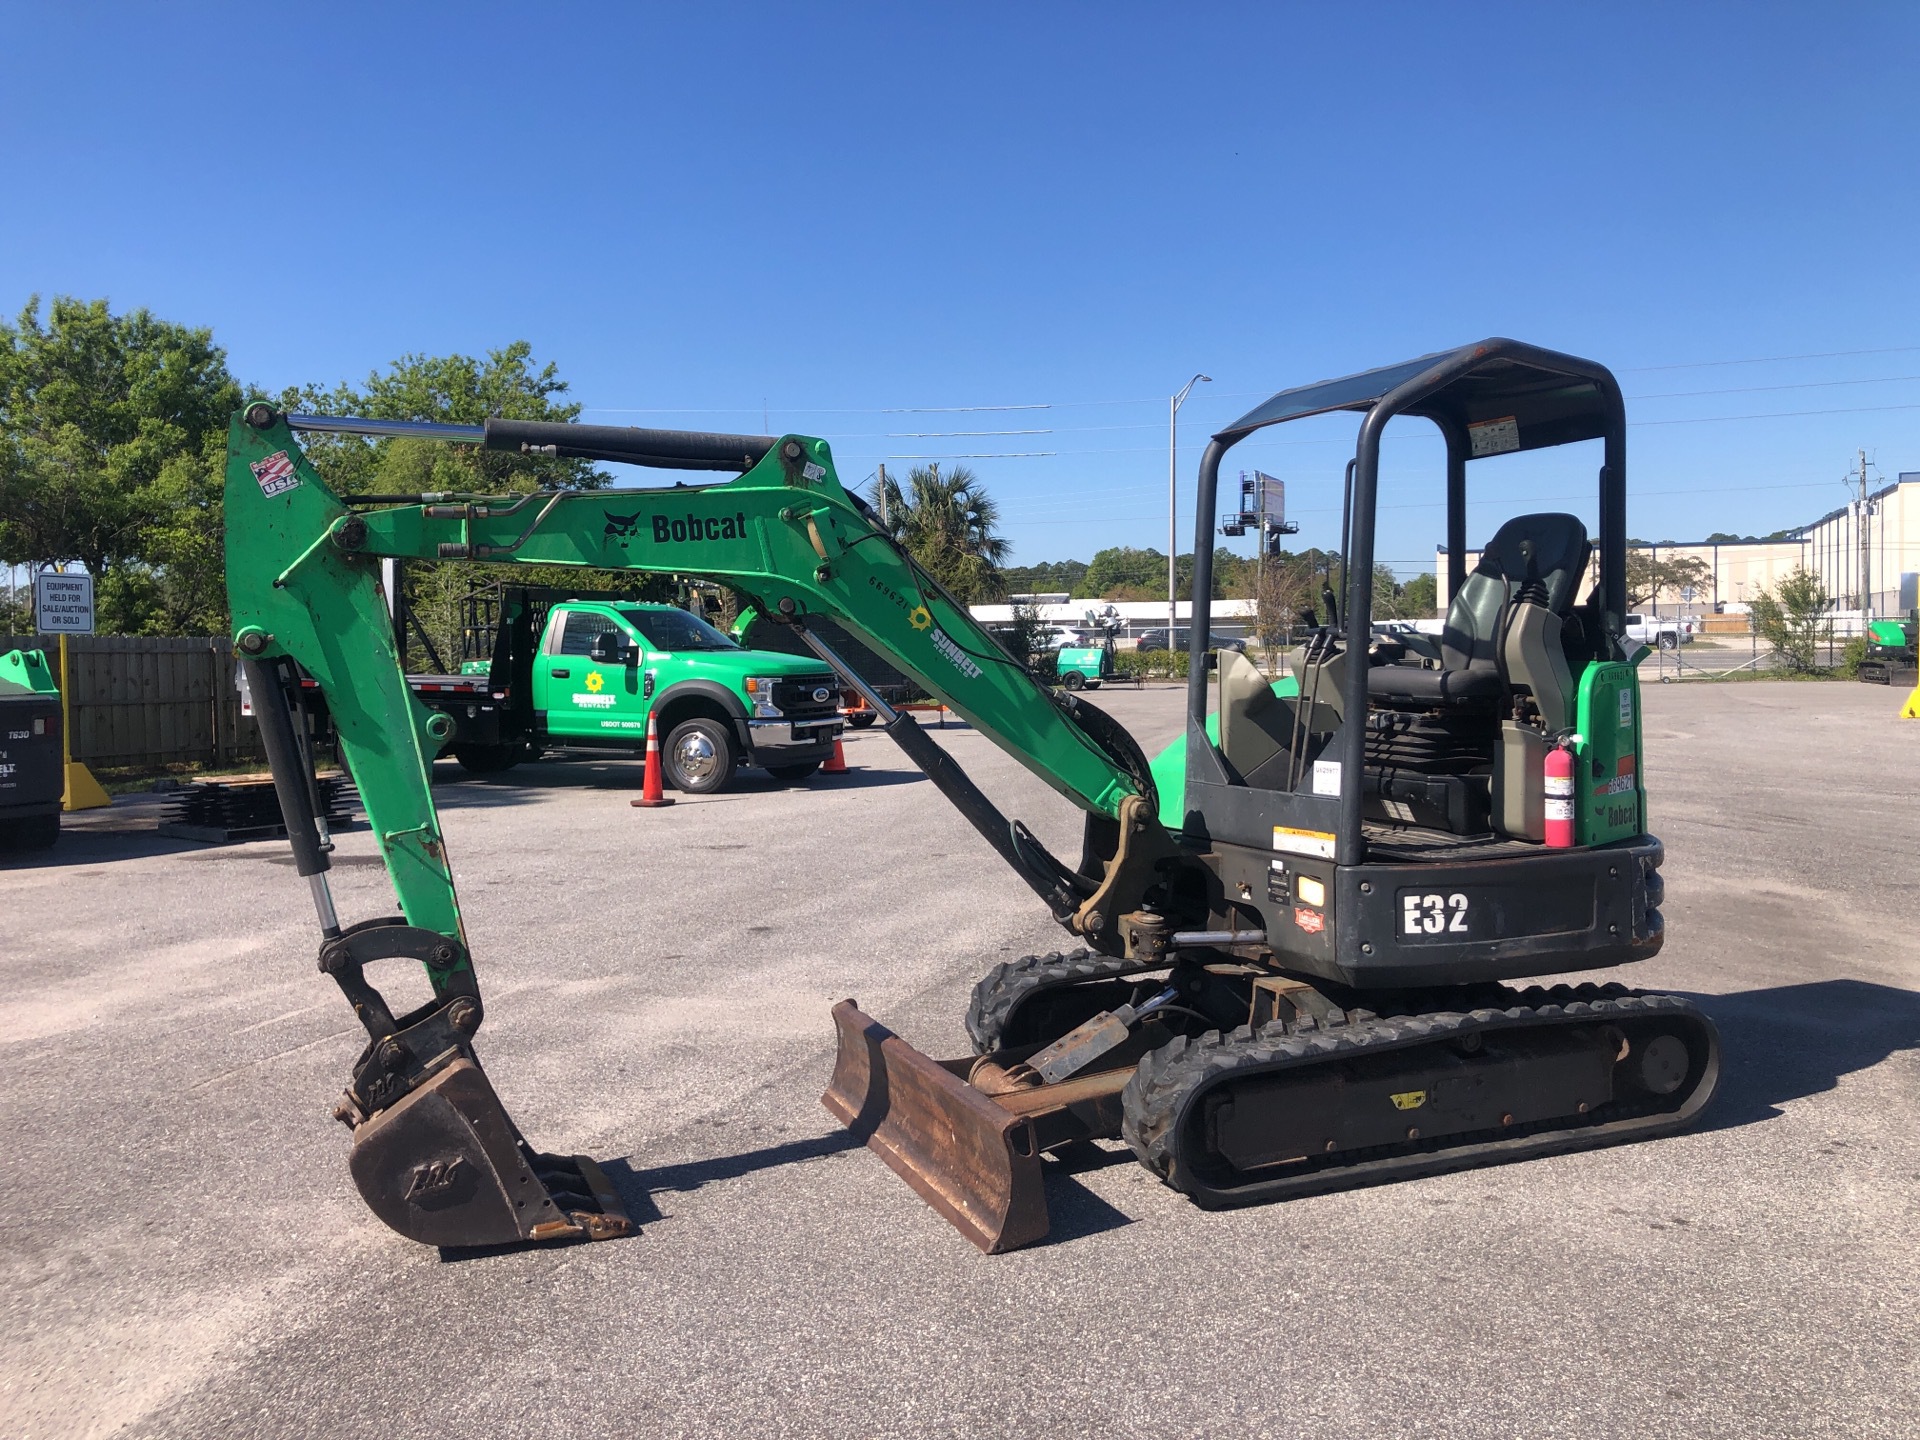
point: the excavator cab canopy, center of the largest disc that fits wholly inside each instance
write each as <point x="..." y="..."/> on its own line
<point x="1496" y="397"/>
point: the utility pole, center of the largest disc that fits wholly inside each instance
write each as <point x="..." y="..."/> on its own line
<point x="884" y="522"/>
<point x="1173" y="496"/>
<point x="1866" y="552"/>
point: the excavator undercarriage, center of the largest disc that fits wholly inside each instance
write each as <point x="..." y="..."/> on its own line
<point x="1302" y="1096"/>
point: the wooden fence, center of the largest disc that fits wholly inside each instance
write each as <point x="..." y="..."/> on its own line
<point x="141" y="700"/>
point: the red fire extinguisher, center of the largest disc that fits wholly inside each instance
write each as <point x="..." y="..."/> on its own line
<point x="1559" y="765"/>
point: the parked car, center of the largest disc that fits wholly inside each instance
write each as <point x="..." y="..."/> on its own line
<point x="1660" y="632"/>
<point x="1151" y="640"/>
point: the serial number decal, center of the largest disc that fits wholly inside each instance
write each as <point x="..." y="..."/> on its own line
<point x="891" y="594"/>
<point x="1433" y="914"/>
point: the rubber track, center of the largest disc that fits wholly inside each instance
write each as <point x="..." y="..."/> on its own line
<point x="1009" y="985"/>
<point x="1155" y="1098"/>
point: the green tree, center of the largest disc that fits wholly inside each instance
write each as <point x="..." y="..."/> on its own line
<point x="1283" y="586"/>
<point x="952" y="527"/>
<point x="448" y="390"/>
<point x="1122" y="572"/>
<point x="1655" y="572"/>
<point x="1054" y="575"/>
<point x="1792" y="618"/>
<point x="112" y="443"/>
<point x="1420" y="598"/>
<point x="459" y="390"/>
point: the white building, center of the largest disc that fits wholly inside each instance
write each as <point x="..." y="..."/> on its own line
<point x="1829" y="547"/>
<point x="1230" y="618"/>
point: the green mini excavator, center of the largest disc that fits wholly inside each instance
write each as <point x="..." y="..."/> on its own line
<point x="1295" y="929"/>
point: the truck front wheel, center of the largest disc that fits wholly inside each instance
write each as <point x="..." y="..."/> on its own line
<point x="34" y="832"/>
<point x="698" y="756"/>
<point x="488" y="759"/>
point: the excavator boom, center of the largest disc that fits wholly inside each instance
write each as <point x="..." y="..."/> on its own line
<point x="435" y="1154"/>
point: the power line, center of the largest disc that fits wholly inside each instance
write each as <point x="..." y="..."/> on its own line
<point x="952" y="409"/>
<point x="1776" y="415"/>
<point x="1757" y="389"/>
<point x="1221" y="395"/>
<point x="1773" y="359"/>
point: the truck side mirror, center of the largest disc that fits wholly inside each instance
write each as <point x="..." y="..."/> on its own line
<point x="610" y="648"/>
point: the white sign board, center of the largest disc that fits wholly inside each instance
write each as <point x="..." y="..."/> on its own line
<point x="63" y="604"/>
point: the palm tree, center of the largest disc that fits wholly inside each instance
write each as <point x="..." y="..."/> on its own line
<point x="951" y="526"/>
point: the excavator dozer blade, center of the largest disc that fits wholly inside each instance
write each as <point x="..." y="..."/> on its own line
<point x="445" y="1166"/>
<point x="975" y="1162"/>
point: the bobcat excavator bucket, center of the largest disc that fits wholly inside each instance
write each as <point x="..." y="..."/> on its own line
<point x="445" y="1166"/>
<point x="435" y="1154"/>
<point x="967" y="1135"/>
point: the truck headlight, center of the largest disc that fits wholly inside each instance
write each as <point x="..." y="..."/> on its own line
<point x="760" y="692"/>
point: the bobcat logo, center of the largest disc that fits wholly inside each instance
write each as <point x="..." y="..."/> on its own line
<point x="433" y="1177"/>
<point x="622" y="525"/>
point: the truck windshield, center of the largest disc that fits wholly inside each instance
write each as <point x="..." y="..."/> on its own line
<point x="677" y="630"/>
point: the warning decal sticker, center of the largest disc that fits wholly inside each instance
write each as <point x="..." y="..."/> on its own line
<point x="1317" y="843"/>
<point x="1494" y="437"/>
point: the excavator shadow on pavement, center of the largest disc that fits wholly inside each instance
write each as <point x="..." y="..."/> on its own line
<point x="1797" y="1041"/>
<point x="1784" y="1044"/>
<point x="1077" y="1211"/>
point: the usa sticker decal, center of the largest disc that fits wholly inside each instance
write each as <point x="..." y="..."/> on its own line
<point x="275" y="474"/>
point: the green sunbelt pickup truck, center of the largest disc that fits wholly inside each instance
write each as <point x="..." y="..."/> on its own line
<point x="569" y="673"/>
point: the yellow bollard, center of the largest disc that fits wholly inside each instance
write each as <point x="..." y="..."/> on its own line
<point x="1911" y="710"/>
<point x="83" y="792"/>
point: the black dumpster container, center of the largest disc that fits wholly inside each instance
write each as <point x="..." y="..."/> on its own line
<point x="31" y="779"/>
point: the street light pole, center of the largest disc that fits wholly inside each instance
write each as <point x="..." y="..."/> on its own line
<point x="1173" y="539"/>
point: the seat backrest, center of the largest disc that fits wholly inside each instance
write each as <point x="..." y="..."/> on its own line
<point x="1251" y="724"/>
<point x="1258" y="728"/>
<point x="1476" y="616"/>
<point x="1534" y="659"/>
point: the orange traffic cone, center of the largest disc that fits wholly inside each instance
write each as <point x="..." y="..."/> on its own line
<point x="837" y="765"/>
<point x="652" y="791"/>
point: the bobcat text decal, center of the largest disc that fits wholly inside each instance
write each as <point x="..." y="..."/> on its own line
<point x="669" y="531"/>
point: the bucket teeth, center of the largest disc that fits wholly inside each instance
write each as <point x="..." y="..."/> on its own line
<point x="445" y="1166"/>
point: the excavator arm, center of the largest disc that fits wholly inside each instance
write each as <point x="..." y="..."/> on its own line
<point x="304" y="588"/>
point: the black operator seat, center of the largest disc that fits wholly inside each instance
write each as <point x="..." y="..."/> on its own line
<point x="1469" y="643"/>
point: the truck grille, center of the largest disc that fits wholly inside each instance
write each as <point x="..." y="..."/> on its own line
<point x="807" y="695"/>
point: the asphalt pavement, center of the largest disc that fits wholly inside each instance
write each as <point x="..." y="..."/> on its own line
<point x="184" y="1255"/>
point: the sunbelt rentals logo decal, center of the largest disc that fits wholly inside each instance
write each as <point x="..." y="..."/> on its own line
<point x="955" y="656"/>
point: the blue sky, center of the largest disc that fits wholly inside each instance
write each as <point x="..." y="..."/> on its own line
<point x="841" y="218"/>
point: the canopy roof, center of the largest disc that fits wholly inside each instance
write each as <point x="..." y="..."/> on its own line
<point x="1498" y="395"/>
